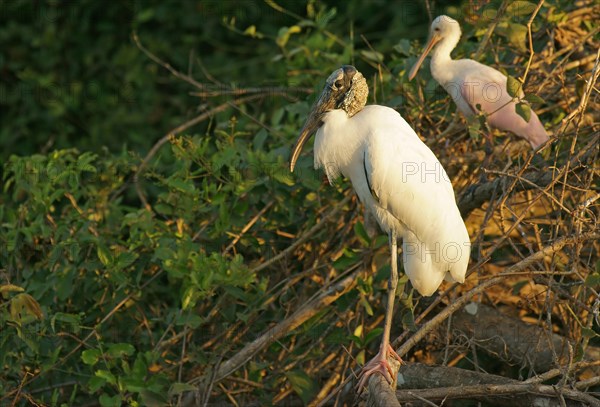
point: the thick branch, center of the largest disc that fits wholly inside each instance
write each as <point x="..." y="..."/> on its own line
<point x="513" y="340"/>
<point x="381" y="393"/>
<point x="516" y="392"/>
<point x="416" y="376"/>
<point x="478" y="194"/>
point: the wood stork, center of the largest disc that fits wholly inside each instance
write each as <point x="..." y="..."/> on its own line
<point x="470" y="83"/>
<point x="399" y="180"/>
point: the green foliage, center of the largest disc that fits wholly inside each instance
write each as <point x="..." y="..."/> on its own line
<point x="119" y="282"/>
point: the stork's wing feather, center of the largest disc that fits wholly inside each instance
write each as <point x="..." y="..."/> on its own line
<point x="409" y="182"/>
<point x="406" y="179"/>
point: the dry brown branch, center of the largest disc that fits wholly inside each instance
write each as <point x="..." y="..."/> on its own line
<point x="478" y="194"/>
<point x="586" y="95"/>
<point x="166" y="65"/>
<point x="466" y="297"/>
<point x="304" y="237"/>
<point x="497" y="392"/>
<point x="326" y="296"/>
<point x="513" y="340"/>
<point x="248" y="226"/>
<point x="419" y="376"/>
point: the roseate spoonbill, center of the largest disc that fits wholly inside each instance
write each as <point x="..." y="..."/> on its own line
<point x="399" y="180"/>
<point x="474" y="86"/>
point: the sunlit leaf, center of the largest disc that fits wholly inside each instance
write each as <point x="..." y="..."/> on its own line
<point x="106" y="375"/>
<point x="24" y="305"/>
<point x="7" y="288"/>
<point x="284" y="34"/>
<point x="531" y="98"/>
<point x="513" y="86"/>
<point x="519" y="8"/>
<point x="523" y="110"/>
<point x="517" y="34"/>
<point x="104" y="255"/>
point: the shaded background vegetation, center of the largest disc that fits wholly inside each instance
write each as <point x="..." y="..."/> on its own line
<point x="128" y="277"/>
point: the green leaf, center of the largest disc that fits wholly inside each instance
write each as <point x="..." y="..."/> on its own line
<point x="588" y="333"/>
<point x="153" y="399"/>
<point x="302" y="384"/>
<point x="360" y="231"/>
<point x="104" y="255"/>
<point x="380" y="241"/>
<point x="118" y="350"/>
<point x="517" y="34"/>
<point x="593" y="280"/>
<point x="7" y="288"/>
<point x="520" y="8"/>
<point x="178" y="388"/>
<point x="474" y="126"/>
<point x="372" y="335"/>
<point x="125" y="259"/>
<point x="365" y="303"/>
<point x="408" y="320"/>
<point x="95" y="383"/>
<point x="23" y="307"/>
<point x="531" y="98"/>
<point x="107" y="401"/>
<point x="284" y="34"/>
<point x="513" y="86"/>
<point x="517" y="287"/>
<point x="523" y="110"/>
<point x="90" y="356"/>
<point x="190" y="296"/>
<point x="403" y="47"/>
<point x="372" y="55"/>
<point x="106" y="375"/>
<point x="251" y="32"/>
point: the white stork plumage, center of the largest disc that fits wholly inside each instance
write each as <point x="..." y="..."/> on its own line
<point x="471" y="83"/>
<point x="399" y="180"/>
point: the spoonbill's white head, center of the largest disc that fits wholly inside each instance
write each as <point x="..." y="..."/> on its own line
<point x="444" y="30"/>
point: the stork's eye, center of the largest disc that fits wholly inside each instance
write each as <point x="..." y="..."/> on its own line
<point x="338" y="84"/>
<point x="436" y="29"/>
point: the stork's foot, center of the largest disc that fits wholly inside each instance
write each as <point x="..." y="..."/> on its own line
<point x="378" y="364"/>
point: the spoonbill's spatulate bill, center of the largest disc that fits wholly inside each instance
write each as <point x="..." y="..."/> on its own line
<point x="471" y="83"/>
<point x="399" y="180"/>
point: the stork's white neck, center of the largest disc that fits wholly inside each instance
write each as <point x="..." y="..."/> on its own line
<point x="337" y="143"/>
<point x="441" y="59"/>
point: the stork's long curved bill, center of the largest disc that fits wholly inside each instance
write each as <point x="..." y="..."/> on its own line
<point x="312" y="124"/>
<point x="435" y="38"/>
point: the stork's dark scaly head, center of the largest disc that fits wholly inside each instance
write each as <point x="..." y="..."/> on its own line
<point x="345" y="89"/>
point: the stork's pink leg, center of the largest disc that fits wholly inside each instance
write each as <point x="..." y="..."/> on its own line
<point x="379" y="363"/>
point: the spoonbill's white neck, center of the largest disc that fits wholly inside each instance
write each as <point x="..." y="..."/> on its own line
<point x="441" y="51"/>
